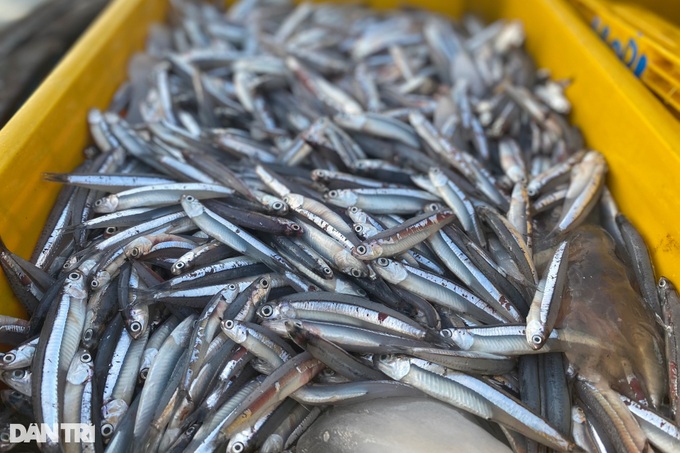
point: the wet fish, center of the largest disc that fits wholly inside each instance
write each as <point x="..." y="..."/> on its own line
<point x="283" y="196"/>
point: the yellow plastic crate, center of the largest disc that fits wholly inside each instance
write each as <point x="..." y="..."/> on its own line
<point x="618" y="115"/>
<point x="647" y="43"/>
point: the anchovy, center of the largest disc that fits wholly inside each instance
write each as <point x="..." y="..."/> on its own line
<point x="546" y="304"/>
<point x="476" y="396"/>
<point x="397" y="240"/>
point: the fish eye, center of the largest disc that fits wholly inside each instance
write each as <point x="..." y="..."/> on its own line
<point x="135" y="326"/>
<point x="327" y="270"/>
<point x="662" y="282"/>
<point x="446" y="333"/>
<point x="232" y="287"/>
<point x="238" y="447"/>
<point x="94" y="284"/>
<point x="295" y="227"/>
<point x="190" y="198"/>
<point x="333" y="193"/>
<point x="277" y="205"/>
<point x="135" y="252"/>
<point x="143" y="373"/>
<point x="355" y="273"/>
<point x="179" y="265"/>
<point x="362" y="293"/>
<point x="353" y="209"/>
<point x="107" y="429"/>
<point x="4" y="438"/>
<point x="229" y="324"/>
<point x="266" y="311"/>
<point x="86" y="358"/>
<point x="536" y="339"/>
<point x="74" y="276"/>
<point x="383" y="262"/>
<point x="383" y="357"/>
<point x="358" y="228"/>
<point x="9" y="358"/>
<point x="264" y="282"/>
<point x="111" y="230"/>
<point x="18" y="374"/>
<point x="99" y="202"/>
<point x="361" y="249"/>
<point x="87" y="336"/>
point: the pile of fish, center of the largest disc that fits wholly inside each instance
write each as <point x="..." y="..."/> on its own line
<point x="291" y="207"/>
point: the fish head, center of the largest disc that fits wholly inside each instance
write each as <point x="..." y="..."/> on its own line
<point x="390" y="270"/>
<point x="367" y="251"/>
<point x="350" y="265"/>
<point x="106" y="204"/>
<point x="237" y="443"/>
<point x="433" y="207"/>
<point x="75" y="285"/>
<point x="182" y="263"/>
<point x="437" y="177"/>
<point x="264" y="285"/>
<point x="460" y="337"/>
<point x="291" y="228"/>
<point x="535" y="334"/>
<point x="81" y="369"/>
<point x="393" y="366"/>
<point x="112" y="413"/>
<point x="15" y="375"/>
<point x="7" y="359"/>
<point x="269" y="311"/>
<point x="364" y="230"/>
<point x="70" y="263"/>
<point x="294" y="200"/>
<point x="229" y="293"/>
<point x="191" y="206"/>
<point x="138" y="247"/>
<point x="319" y="175"/>
<point x="5" y="438"/>
<point x="275" y="205"/>
<point x="357" y="214"/>
<point x="100" y="280"/>
<point x="343" y="197"/>
<point x="234" y="330"/>
<point x="668" y="295"/>
<point x="136" y="321"/>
